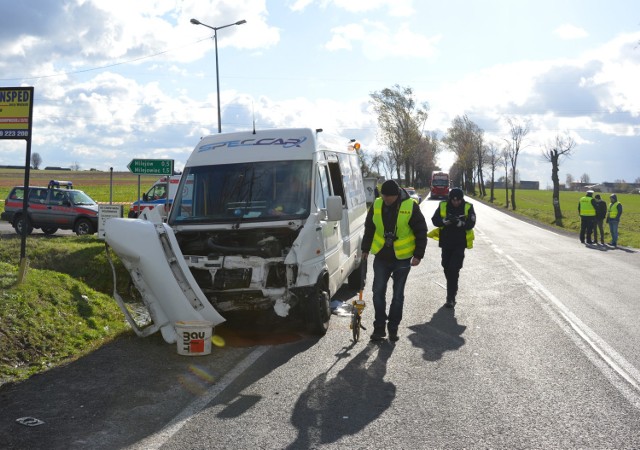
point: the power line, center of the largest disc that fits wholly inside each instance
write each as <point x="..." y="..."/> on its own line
<point x="105" y="66"/>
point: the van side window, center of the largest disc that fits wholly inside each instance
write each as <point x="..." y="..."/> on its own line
<point x="336" y="180"/>
<point x="322" y="184"/>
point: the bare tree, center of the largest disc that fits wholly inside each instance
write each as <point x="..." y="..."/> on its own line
<point x="554" y="152"/>
<point x="493" y="160"/>
<point x="585" y="178"/>
<point x="400" y="121"/>
<point x="569" y="181"/>
<point x="505" y="161"/>
<point x="518" y="132"/>
<point x="75" y="166"/>
<point x="481" y="156"/>
<point x="36" y="160"/>
<point x="461" y="138"/>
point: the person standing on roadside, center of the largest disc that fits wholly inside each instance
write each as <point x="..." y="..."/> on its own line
<point x="395" y="231"/>
<point x="587" y="212"/>
<point x="601" y="214"/>
<point x="456" y="219"/>
<point x="613" y="218"/>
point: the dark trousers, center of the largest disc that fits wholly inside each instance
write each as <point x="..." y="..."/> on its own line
<point x="383" y="270"/>
<point x="599" y="226"/>
<point x="452" y="260"/>
<point x="586" y="227"/>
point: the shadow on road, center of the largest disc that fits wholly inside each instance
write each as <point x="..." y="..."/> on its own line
<point x="441" y="334"/>
<point x="332" y="407"/>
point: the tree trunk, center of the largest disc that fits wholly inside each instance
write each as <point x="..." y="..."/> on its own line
<point x="556" y="190"/>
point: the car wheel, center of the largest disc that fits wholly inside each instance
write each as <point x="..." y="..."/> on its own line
<point x="19" y="224"/>
<point x="319" y="310"/>
<point x="132" y="214"/>
<point x="84" y="227"/>
<point x="49" y="230"/>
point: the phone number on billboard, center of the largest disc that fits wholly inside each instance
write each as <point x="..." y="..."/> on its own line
<point x="14" y="133"/>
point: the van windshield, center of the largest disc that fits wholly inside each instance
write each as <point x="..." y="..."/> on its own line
<point x="273" y="190"/>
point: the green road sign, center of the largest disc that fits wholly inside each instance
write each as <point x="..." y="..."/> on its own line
<point x="151" y="166"/>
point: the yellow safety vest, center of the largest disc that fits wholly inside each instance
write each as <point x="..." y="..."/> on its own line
<point x="613" y="210"/>
<point x="405" y="243"/>
<point x="586" y="208"/>
<point x="435" y="233"/>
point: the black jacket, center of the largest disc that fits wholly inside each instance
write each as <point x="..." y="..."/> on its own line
<point x="417" y="223"/>
<point x="601" y="209"/>
<point x="452" y="235"/>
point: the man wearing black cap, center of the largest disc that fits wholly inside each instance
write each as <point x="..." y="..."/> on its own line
<point x="456" y="219"/>
<point x="395" y="231"/>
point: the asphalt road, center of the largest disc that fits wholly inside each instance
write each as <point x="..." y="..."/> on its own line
<point x="542" y="351"/>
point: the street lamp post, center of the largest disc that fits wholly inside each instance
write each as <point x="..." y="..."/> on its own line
<point x="215" y="39"/>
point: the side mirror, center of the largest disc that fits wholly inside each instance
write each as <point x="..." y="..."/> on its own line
<point x="334" y="208"/>
<point x="145" y="197"/>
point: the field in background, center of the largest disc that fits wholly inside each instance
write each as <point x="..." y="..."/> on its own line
<point x="538" y="205"/>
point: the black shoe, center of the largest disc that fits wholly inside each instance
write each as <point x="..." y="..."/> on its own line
<point x="378" y="334"/>
<point x="393" y="335"/>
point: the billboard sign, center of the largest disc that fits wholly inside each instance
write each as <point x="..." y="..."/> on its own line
<point x="15" y="110"/>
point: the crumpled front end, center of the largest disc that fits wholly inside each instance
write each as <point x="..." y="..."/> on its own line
<point x="152" y="256"/>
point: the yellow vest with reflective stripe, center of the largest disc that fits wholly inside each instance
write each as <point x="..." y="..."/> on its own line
<point x="586" y="208"/>
<point x="469" y="233"/>
<point x="613" y="210"/>
<point x="405" y="243"/>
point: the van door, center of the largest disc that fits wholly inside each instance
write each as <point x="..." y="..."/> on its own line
<point x="330" y="230"/>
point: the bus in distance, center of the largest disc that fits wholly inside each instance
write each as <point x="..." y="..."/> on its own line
<point x="439" y="185"/>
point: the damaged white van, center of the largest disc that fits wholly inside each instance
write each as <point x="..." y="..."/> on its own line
<point x="272" y="223"/>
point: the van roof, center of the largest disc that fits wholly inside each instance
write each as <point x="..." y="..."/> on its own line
<point x="264" y="145"/>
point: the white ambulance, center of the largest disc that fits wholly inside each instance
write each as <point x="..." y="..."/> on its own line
<point x="271" y="224"/>
<point x="160" y="195"/>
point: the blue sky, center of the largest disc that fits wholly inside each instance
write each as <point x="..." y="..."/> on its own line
<point x="116" y="80"/>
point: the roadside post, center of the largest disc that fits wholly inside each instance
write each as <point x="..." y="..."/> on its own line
<point x="16" y="113"/>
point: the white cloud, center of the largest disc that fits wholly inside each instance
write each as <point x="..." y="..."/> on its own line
<point x="378" y="42"/>
<point x="568" y="31"/>
<point x="395" y="8"/>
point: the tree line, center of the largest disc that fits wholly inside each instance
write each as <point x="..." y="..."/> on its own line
<point x="412" y="150"/>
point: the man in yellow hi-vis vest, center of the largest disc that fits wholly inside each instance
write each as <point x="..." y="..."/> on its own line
<point x="587" y="212"/>
<point x="395" y="231"/>
<point x="456" y="219"/>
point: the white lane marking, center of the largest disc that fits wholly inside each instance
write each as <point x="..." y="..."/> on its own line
<point x="601" y="354"/>
<point x="157" y="440"/>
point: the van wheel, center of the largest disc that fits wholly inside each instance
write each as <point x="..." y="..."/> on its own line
<point x="49" y="230"/>
<point x="19" y="224"/>
<point x="84" y="227"/>
<point x="319" y="310"/>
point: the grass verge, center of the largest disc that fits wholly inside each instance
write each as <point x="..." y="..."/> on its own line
<point x="62" y="310"/>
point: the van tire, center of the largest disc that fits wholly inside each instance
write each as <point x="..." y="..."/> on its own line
<point x="319" y="310"/>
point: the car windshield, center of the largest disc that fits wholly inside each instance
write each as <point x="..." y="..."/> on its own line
<point x="273" y="190"/>
<point x="80" y="198"/>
